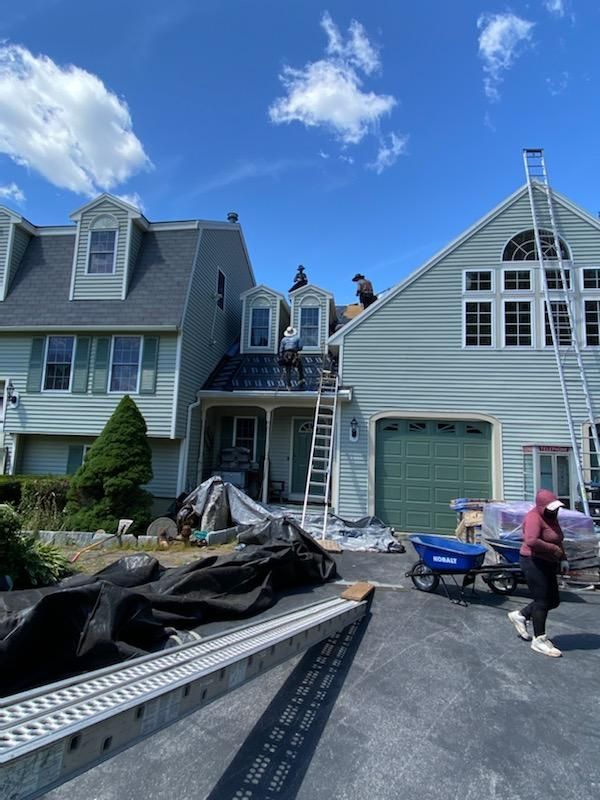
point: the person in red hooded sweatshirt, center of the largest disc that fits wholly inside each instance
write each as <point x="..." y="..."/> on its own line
<point x="542" y="558"/>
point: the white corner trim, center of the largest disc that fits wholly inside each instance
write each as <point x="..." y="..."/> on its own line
<point x="176" y="381"/>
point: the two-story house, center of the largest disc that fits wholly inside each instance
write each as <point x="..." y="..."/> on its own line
<point x="113" y="304"/>
<point x="245" y="403"/>
<point x="455" y="387"/>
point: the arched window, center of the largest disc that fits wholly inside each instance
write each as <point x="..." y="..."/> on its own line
<point x="522" y="247"/>
<point x="103" y="245"/>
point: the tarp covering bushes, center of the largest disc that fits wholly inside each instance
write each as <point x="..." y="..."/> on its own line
<point x="216" y="506"/>
<point x="131" y="607"/>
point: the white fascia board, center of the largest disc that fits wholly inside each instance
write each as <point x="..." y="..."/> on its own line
<point x="99" y="328"/>
<point x="311" y="287"/>
<point x="183" y="225"/>
<point x="291" y="398"/>
<point x="55" y="230"/>
<point x="477" y="226"/>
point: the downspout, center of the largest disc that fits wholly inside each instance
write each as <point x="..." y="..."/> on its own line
<point x="183" y="461"/>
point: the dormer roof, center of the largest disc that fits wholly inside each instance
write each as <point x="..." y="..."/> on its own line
<point x="133" y="212"/>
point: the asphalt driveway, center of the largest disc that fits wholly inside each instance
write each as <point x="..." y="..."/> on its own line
<point x="425" y="699"/>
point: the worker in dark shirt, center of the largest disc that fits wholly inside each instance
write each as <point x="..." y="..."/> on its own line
<point x="365" y="293"/>
<point x="300" y="279"/>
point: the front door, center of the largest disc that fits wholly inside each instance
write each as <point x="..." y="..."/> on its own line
<point x="302" y="439"/>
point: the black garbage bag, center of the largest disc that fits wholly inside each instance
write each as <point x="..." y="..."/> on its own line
<point x="131" y="607"/>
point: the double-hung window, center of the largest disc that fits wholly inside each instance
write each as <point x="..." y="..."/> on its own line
<point x="592" y="322"/>
<point x="478" y="323"/>
<point x="59" y="363"/>
<point x="125" y="364"/>
<point x="221" y="289"/>
<point x="244" y="434"/>
<point x="260" y="325"/>
<point x="560" y="316"/>
<point x="103" y="245"/>
<point x="517" y="323"/>
<point x="309" y="326"/>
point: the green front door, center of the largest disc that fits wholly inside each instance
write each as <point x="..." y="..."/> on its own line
<point x="302" y="435"/>
<point x="421" y="465"/>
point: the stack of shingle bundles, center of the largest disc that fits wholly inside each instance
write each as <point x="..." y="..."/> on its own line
<point x="505" y="521"/>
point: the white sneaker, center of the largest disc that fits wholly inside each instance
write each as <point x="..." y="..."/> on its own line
<point x="520" y="623"/>
<point x="542" y="644"/>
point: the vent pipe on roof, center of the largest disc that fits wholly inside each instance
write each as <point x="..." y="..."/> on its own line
<point x="232" y="217"/>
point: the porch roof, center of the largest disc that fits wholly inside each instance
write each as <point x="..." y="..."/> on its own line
<point x="260" y="372"/>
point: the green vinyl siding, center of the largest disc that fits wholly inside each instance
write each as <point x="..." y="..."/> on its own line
<point x="71" y="413"/>
<point x="60" y="455"/>
<point x="209" y="331"/>
<point x="407" y="357"/>
<point x="20" y="241"/>
<point x="421" y="465"/>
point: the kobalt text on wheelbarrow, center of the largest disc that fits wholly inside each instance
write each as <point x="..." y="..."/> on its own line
<point x="442" y="557"/>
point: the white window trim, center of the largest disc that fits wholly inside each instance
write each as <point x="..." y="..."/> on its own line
<point x="479" y="292"/>
<point x="519" y="292"/>
<point x="478" y="297"/>
<point x="319" y="308"/>
<point x="518" y="298"/>
<point x="139" y="369"/>
<point x="581" y="286"/>
<point x="583" y="337"/>
<point x="234" y="437"/>
<point x="46" y="346"/>
<point x="270" y="329"/>
<point x="558" y="298"/>
<point x="89" y="247"/>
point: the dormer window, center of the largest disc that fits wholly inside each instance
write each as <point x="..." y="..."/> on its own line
<point x="260" y="327"/>
<point x="309" y="325"/>
<point x="103" y="245"/>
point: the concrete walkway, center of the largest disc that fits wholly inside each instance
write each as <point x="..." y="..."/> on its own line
<point x="428" y="699"/>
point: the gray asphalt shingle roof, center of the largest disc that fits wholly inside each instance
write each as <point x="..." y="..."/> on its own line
<point x="39" y="292"/>
<point x="260" y="373"/>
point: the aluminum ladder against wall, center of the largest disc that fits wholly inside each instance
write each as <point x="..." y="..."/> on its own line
<point x="544" y="219"/>
<point x="318" y="483"/>
<point x="51" y="734"/>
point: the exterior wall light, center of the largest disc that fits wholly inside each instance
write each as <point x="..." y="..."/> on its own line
<point x="12" y="396"/>
<point x="353" y="430"/>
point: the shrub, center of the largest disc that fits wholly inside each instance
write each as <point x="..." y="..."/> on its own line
<point x="10" y="489"/>
<point x="107" y="486"/>
<point x="42" y="503"/>
<point x="27" y="561"/>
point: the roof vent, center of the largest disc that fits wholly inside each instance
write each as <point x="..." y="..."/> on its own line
<point x="232" y="217"/>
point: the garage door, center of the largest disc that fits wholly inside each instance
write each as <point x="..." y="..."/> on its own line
<point x="421" y="465"/>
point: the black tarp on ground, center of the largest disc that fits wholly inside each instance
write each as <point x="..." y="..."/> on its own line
<point x="130" y="608"/>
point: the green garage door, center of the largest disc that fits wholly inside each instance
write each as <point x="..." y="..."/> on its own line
<point x="421" y="465"/>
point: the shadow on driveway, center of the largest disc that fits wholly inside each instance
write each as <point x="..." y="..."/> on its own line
<point x="577" y="641"/>
<point x="277" y="753"/>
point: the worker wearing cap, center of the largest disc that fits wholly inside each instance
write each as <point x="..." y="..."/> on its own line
<point x="364" y="291"/>
<point x="290" y="358"/>
<point x="542" y="558"/>
<point x="300" y="279"/>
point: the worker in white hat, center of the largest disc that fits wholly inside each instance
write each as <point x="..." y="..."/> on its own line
<point x="290" y="358"/>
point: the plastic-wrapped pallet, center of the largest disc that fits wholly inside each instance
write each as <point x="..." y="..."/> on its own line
<point x="505" y="521"/>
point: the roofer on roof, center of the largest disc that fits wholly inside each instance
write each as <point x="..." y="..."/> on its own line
<point x="300" y="279"/>
<point x="289" y="356"/>
<point x="365" y="292"/>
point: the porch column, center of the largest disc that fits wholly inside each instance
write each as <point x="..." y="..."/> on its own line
<point x="200" y="465"/>
<point x="265" y="483"/>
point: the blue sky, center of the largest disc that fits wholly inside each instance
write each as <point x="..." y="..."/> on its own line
<point x="349" y="136"/>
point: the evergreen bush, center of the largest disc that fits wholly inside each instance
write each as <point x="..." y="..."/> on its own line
<point x="107" y="486"/>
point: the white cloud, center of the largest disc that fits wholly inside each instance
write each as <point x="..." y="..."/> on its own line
<point x="247" y="170"/>
<point x="556" y="7"/>
<point x="558" y="85"/>
<point x="388" y="153"/>
<point x="501" y="40"/>
<point x="134" y="199"/>
<point x="11" y="191"/>
<point x="329" y="93"/>
<point x="65" y="124"/>
<point x="346" y="159"/>
<point x="323" y="155"/>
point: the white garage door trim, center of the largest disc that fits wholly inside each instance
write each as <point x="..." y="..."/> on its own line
<point x="497" y="476"/>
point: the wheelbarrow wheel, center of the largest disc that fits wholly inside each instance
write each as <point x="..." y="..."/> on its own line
<point x="423" y="578"/>
<point x="502" y="583"/>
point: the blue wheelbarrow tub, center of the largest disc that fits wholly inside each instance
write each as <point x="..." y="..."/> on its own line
<point x="443" y="554"/>
<point x="508" y="549"/>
